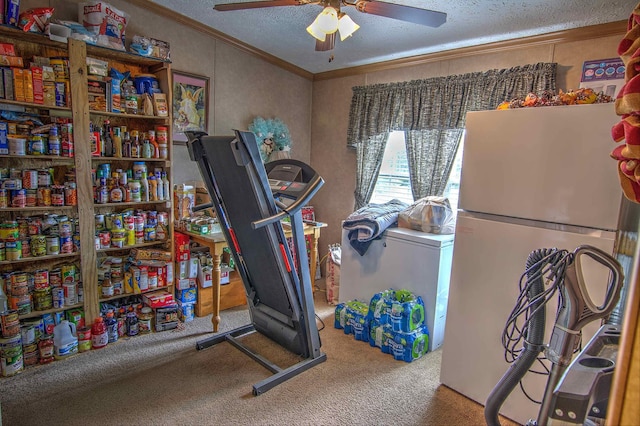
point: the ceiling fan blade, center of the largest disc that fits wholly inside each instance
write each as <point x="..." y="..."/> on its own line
<point x="258" y="4"/>
<point x="426" y="17"/>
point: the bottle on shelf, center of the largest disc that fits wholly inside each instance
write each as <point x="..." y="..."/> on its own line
<point x="117" y="142"/>
<point x="54" y="141"/>
<point x="65" y="340"/>
<point x="166" y="186"/>
<point x="106" y="137"/>
<point x="153" y="188"/>
<point x="159" y="186"/>
<point x="146" y="149"/>
<point x="99" y="337"/>
<point x="112" y="326"/>
<point x="144" y="187"/>
<point x="135" y="144"/>
<point x="126" y="145"/>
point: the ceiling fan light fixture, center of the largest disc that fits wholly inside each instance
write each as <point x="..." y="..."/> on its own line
<point x="316" y="32"/>
<point x="327" y="21"/>
<point x="346" y="26"/>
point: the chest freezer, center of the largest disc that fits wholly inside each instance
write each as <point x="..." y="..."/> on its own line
<point x="402" y="259"/>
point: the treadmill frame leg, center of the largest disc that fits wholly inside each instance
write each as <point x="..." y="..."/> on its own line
<point x="279" y="375"/>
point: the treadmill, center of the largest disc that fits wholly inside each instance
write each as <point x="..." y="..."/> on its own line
<point x="251" y="199"/>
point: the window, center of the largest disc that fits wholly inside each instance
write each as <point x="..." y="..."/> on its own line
<point x="393" y="180"/>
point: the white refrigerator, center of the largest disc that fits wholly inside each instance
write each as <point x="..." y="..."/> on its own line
<point x="531" y="178"/>
<point x="402" y="259"/>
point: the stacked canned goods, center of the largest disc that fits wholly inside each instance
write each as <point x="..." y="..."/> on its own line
<point x="37" y="236"/>
<point x="130" y="228"/>
<point x="55" y="139"/>
<point x="43" y="289"/>
<point x="20" y="188"/>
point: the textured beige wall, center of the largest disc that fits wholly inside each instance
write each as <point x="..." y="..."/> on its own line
<point x="332" y="98"/>
<point x="241" y="85"/>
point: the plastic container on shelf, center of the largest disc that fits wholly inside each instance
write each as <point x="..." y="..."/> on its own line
<point x="65" y="340"/>
<point x="99" y="336"/>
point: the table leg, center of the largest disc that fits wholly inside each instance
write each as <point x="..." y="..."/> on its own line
<point x="215" y="317"/>
<point x="313" y="254"/>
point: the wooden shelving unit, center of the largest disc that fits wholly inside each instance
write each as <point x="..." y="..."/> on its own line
<point x="31" y="44"/>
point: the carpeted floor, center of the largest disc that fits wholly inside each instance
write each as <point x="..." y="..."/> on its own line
<point x="161" y="379"/>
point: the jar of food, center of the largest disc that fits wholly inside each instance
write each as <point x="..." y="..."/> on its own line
<point x="107" y="287"/>
<point x="145" y="320"/>
<point x="152" y="277"/>
<point x="45" y="347"/>
<point x="115" y="269"/>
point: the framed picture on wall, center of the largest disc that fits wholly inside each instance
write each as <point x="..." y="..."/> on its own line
<point x="190" y="105"/>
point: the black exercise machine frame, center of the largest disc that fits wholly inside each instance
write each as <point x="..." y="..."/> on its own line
<point x="291" y="324"/>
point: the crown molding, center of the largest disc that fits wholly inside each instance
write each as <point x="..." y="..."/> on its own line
<point x="565" y="36"/>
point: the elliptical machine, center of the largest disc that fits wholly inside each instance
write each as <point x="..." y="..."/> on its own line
<point x="575" y="390"/>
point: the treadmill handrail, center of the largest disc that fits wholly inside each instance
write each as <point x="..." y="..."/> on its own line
<point x="313" y="186"/>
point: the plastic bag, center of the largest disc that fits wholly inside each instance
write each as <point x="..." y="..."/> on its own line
<point x="429" y="214"/>
<point x="35" y="20"/>
<point x="333" y="274"/>
<point x="105" y="21"/>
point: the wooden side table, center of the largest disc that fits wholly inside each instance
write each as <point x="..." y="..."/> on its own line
<point x="216" y="244"/>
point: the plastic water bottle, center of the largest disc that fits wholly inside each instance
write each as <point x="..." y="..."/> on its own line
<point x="99" y="337"/>
<point x="112" y="327"/>
<point x="65" y="340"/>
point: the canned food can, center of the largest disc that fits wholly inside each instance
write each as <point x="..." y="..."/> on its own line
<point x="66" y="244"/>
<point x="68" y="273"/>
<point x="42" y="299"/>
<point x="41" y="279"/>
<point x="13" y="250"/>
<point x="4" y="198"/>
<point x="36" y="145"/>
<point x="30" y="179"/>
<point x="44" y="197"/>
<point x="19" y="198"/>
<point x="9" y="323"/>
<point x="38" y="245"/>
<point x="53" y="245"/>
<point x="55" y="277"/>
<point x="32" y="198"/>
<point x="105" y="239"/>
<point x="57" y="297"/>
<point x="26" y="249"/>
<point x="44" y="178"/>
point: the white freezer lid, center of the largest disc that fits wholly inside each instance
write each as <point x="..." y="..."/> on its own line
<point x="434" y="240"/>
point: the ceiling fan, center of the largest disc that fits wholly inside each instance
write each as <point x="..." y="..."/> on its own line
<point x="332" y="19"/>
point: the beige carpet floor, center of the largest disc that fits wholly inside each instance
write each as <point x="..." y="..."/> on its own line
<point x="161" y="379"/>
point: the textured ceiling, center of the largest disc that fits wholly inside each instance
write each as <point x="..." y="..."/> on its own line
<point x="281" y="31"/>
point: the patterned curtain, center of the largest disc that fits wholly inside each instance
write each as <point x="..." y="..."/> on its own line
<point x="429" y="168"/>
<point x="369" y="158"/>
<point x="429" y="111"/>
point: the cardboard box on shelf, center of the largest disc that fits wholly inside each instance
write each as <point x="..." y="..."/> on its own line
<point x="205" y="276"/>
<point x="182" y="250"/>
<point x="188" y="268"/>
<point x="186" y="311"/>
<point x="187" y="295"/>
<point x="158" y="299"/>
